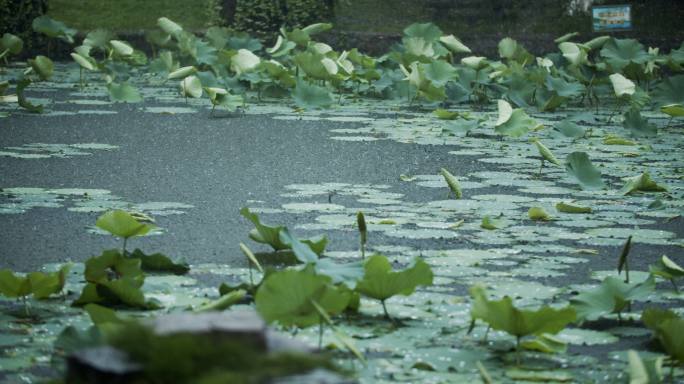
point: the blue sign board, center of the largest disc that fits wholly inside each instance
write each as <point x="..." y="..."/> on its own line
<point x="612" y="18"/>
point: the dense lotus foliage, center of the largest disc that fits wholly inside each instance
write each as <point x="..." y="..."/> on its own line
<point x="375" y="306"/>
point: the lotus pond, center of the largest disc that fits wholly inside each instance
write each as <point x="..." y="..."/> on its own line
<point x="554" y="253"/>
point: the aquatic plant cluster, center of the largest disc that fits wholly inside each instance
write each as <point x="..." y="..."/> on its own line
<point x="389" y="312"/>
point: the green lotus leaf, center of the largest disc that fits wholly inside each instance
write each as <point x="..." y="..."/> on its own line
<point x="507" y="48"/>
<point x="224" y="302"/>
<point x="597" y="42"/>
<point x="121" y="48"/>
<point x="653" y="317"/>
<point x="428" y="31"/>
<point x="83" y="62"/>
<point x="43" y="66"/>
<point x="12" y="285"/>
<point x="545" y="153"/>
<point x="641" y="183"/>
<point x="617" y="140"/>
<point x="492" y="223"/>
<point x="513" y="122"/>
<point x="45" y="284"/>
<point x="98" y="38"/>
<point x="123" y="92"/>
<point x="667" y="269"/>
<point x="348" y="273"/>
<point x="671" y="337"/>
<point x="452" y="182"/>
<point x="612" y="296"/>
<point x="123" y="224"/>
<point x="100" y="315"/>
<point x="244" y="61"/>
<point x="439" y="72"/>
<point x="169" y="26"/>
<point x="191" y="86"/>
<point x="419" y="48"/>
<point x="23" y="101"/>
<point x="444" y="114"/>
<point x="670" y="91"/>
<point x="566" y="37"/>
<point x="286" y="297"/>
<point x="125" y="291"/>
<point x="53" y="28"/>
<point x="578" y="165"/>
<point x="619" y="53"/>
<point x="454" y="44"/>
<point x="474" y="62"/>
<point x="644" y="371"/>
<point x="572" y="208"/>
<point x="316" y="28"/>
<point x="538" y="214"/>
<point x="158" y="262"/>
<point x="12" y="43"/>
<point x="564" y="88"/>
<point x="569" y="128"/>
<point x="638" y="125"/>
<point x="573" y="53"/>
<point x="182" y="73"/>
<point x="112" y="263"/>
<point x="302" y="251"/>
<point x="502" y="315"/>
<point x="545" y="343"/>
<point x="263" y="233"/>
<point x="281" y="47"/>
<point x="622" y="85"/>
<point x="310" y="96"/>
<point x="673" y="110"/>
<point x="380" y="282"/>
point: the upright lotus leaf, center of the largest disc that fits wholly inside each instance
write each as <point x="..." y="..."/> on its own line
<point x="311" y="63"/>
<point x="159" y="263"/>
<point x="244" y="61"/>
<point x="597" y="42"/>
<point x="23" y="101"/>
<point x="513" y="122"/>
<point x="452" y="182"/>
<point x="671" y="337"/>
<point x="454" y="44"/>
<point x="317" y="28"/>
<point x="566" y="37"/>
<point x="169" y="26"/>
<point x="545" y="153"/>
<point x="45" y="284"/>
<point x="563" y="88"/>
<point x="439" y="72"/>
<point x="492" y="223"/>
<point x="569" y="128"/>
<point x="346" y="273"/>
<point x="578" y="165"/>
<point x="286" y="297"/>
<point x="122" y="224"/>
<point x="474" y="62"/>
<point x="417" y="47"/>
<point x="538" y="214"/>
<point x="653" y="317"/>
<point x="502" y="315"/>
<point x="302" y="251"/>
<point x="573" y="53"/>
<point x="112" y="263"/>
<point x="667" y="269"/>
<point x="121" y="48"/>
<point x="619" y="53"/>
<point x="644" y="371"/>
<point x="380" y="282"/>
<point x="428" y="31"/>
<point x="12" y="43"/>
<point x="263" y="233"/>
<point x="53" y="28"/>
<point x="191" y="86"/>
<point x="308" y="96"/>
<point x="98" y="38"/>
<point x="221" y="97"/>
<point x="572" y="208"/>
<point x="123" y="291"/>
<point x="507" y="48"/>
<point x="182" y="73"/>
<point x="637" y="125"/>
<point x="669" y="91"/>
<point x="123" y="92"/>
<point x="641" y="183"/>
<point x="281" y="47"/>
<point x="43" y="66"/>
<point x="14" y="286"/>
<point x="612" y="296"/>
<point x="621" y="85"/>
<point x="83" y="61"/>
